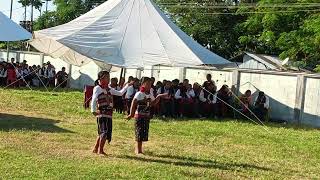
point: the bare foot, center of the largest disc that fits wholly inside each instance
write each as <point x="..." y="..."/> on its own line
<point x="95" y="151"/>
<point x="139" y="153"/>
<point x="103" y="153"/>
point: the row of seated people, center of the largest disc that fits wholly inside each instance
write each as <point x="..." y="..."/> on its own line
<point x="186" y="100"/>
<point x="16" y="74"/>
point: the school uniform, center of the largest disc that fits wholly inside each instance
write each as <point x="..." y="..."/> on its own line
<point x="208" y="103"/>
<point x="166" y="104"/>
<point x="3" y="77"/>
<point x="19" y="75"/>
<point x="142" y="115"/>
<point x="43" y="75"/>
<point x="185" y="99"/>
<point x="223" y="98"/>
<point x="129" y="97"/>
<point x="11" y="76"/>
<point x="102" y="104"/>
<point x="261" y="107"/>
<point x="51" y="77"/>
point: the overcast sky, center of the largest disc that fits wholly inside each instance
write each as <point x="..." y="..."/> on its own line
<point x="18" y="10"/>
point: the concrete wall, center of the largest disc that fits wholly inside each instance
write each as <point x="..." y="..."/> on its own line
<point x="281" y="90"/>
<point x="311" y="106"/>
<point x="294" y="97"/>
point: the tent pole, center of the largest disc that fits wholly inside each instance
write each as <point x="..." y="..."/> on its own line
<point x="121" y="73"/>
<point x="7" y="51"/>
<point x="124" y="73"/>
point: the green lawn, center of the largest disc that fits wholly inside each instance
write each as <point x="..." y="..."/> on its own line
<point x="49" y="135"/>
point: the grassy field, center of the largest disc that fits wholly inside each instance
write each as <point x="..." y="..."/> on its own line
<point x="49" y="135"/>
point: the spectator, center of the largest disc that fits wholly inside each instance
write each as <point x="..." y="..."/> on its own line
<point x="166" y="103"/>
<point x="131" y="91"/>
<point x="11" y="75"/>
<point x="51" y="74"/>
<point x="208" y="98"/>
<point x="197" y="90"/>
<point x="209" y="80"/>
<point x="3" y="75"/>
<point x="261" y="106"/>
<point x="246" y="101"/>
<point x="224" y="97"/>
<point x="62" y="78"/>
<point x="185" y="95"/>
<point x="43" y="74"/>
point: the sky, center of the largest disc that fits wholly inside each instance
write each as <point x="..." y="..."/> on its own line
<point x="18" y="10"/>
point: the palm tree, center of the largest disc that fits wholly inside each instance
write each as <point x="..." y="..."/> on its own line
<point x="25" y="3"/>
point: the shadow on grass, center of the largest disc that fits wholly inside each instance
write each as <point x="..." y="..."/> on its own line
<point x="192" y="162"/>
<point x="9" y="122"/>
<point x="270" y="124"/>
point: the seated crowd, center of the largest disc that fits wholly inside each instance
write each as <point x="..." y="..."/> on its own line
<point x="15" y="74"/>
<point x="195" y="101"/>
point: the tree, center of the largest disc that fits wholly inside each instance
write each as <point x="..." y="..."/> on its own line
<point x="207" y="23"/>
<point x="293" y="31"/>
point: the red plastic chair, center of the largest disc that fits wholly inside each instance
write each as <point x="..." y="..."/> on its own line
<point x="88" y="92"/>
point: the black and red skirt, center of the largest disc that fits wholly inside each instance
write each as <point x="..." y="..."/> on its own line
<point x="105" y="128"/>
<point x="142" y="128"/>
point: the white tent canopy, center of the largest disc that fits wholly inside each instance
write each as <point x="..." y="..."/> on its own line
<point x="10" y="31"/>
<point x="124" y="33"/>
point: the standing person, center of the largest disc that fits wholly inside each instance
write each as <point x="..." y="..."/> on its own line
<point x="261" y="106"/>
<point x="116" y="99"/>
<point x="3" y="75"/>
<point x="209" y="80"/>
<point x="51" y="73"/>
<point x="62" y="78"/>
<point x="11" y="75"/>
<point x="43" y="74"/>
<point x="19" y="75"/>
<point x="121" y="101"/>
<point x="26" y="72"/>
<point x="132" y="90"/>
<point x="102" y="107"/>
<point x="140" y="109"/>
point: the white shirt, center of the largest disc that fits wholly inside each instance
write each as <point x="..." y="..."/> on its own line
<point x="50" y="73"/>
<point x="130" y="92"/>
<point x="203" y="99"/>
<point x="25" y="72"/>
<point x="190" y="94"/>
<point x="19" y="73"/>
<point x="3" y="73"/>
<point x="98" y="90"/>
<point x="141" y="95"/>
<point x="266" y="104"/>
<point x="165" y="91"/>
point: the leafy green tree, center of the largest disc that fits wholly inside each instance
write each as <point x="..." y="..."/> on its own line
<point x="289" y="31"/>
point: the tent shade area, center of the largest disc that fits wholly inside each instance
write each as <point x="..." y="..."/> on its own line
<point x="124" y="33"/>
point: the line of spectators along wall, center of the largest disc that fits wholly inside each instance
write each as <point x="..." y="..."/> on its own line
<point x="16" y="74"/>
<point x="186" y="100"/>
